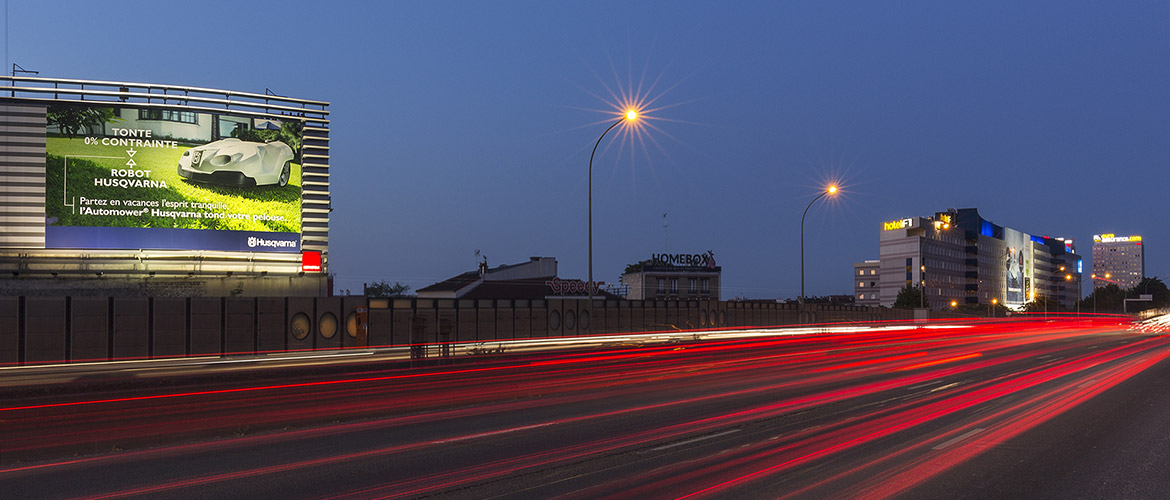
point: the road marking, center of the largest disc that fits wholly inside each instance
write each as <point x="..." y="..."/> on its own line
<point x="694" y="440"/>
<point x="958" y="438"/>
<point x="492" y="433"/>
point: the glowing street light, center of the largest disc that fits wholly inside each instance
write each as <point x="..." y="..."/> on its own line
<point x="1068" y="277"/>
<point x="1094" y="278"/>
<point x="831" y="190"/>
<point x="630" y="116"/>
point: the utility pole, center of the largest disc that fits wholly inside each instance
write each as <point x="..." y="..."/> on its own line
<point x="665" y="235"/>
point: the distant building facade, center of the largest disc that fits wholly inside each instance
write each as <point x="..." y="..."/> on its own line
<point x="535" y="279"/>
<point x="957" y="257"/>
<point x="673" y="277"/>
<point x="1121" y="258"/>
<point x="866" y="277"/>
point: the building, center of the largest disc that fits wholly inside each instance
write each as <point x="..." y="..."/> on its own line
<point x="957" y="257"/>
<point x="1120" y="260"/>
<point x="866" y="276"/>
<point x="112" y="188"/>
<point x="535" y="279"/>
<point x="673" y="277"/>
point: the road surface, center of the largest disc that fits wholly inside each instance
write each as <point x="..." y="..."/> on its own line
<point x="1064" y="409"/>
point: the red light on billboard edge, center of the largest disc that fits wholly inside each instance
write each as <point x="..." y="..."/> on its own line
<point x="311" y="262"/>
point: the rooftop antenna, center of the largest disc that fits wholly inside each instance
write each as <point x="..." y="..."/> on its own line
<point x="482" y="266"/>
<point x="17" y="69"/>
<point x="267" y="92"/>
<point x="665" y="235"/>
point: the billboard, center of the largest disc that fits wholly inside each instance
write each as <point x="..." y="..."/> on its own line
<point x="1018" y="269"/>
<point x="153" y="178"/>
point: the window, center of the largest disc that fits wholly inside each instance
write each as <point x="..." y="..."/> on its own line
<point x="861" y="295"/>
<point x="872" y="283"/>
<point x="873" y="271"/>
<point x="674" y="286"/>
<point x="706" y="284"/>
<point x="229" y="127"/>
<point x="861" y="272"/>
<point x="693" y="285"/>
<point x="661" y="286"/>
<point x="168" y="115"/>
<point x="860" y="284"/>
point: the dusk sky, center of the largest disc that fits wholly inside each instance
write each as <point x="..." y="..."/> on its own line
<point x="464" y="126"/>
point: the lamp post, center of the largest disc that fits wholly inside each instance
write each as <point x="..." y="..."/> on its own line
<point x="1068" y="277"/>
<point x="991" y="307"/>
<point x="630" y="116"/>
<point x="832" y="189"/>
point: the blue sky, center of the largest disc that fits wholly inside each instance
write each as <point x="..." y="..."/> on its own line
<point x="464" y="126"/>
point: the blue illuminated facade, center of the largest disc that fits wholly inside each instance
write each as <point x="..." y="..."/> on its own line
<point x="957" y="258"/>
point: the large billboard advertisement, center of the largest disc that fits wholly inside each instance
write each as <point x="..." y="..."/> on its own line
<point x="1018" y="269"/>
<point x="152" y="178"/>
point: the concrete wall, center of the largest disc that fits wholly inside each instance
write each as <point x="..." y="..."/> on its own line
<point x="40" y="329"/>
<point x="91" y="286"/>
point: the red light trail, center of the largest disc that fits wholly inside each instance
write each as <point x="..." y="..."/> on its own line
<point x="874" y="413"/>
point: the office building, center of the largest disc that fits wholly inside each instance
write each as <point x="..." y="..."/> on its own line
<point x="1120" y="260"/>
<point x="673" y="277"/>
<point x="956" y="257"/>
<point x="865" y="283"/>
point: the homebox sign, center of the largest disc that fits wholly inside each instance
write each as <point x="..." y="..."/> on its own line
<point x="683" y="261"/>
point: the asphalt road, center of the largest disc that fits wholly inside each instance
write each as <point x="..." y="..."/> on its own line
<point x="1010" y="410"/>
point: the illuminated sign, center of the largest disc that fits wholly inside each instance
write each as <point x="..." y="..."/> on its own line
<point x="1018" y="269"/>
<point x="682" y="262"/>
<point x="705" y="260"/>
<point x="311" y="262"/>
<point x="897" y="224"/>
<point x="1111" y="238"/>
<point x="149" y="178"/>
<point x="571" y="287"/>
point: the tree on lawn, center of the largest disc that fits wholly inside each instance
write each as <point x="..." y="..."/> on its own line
<point x="385" y="289"/>
<point x="908" y="298"/>
<point x="72" y="120"/>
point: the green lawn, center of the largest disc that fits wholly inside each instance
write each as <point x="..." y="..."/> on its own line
<point x="162" y="162"/>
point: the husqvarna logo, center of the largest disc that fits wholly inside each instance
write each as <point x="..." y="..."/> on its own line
<point x="254" y="242"/>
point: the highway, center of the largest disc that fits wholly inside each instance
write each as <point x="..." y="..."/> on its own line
<point x="1010" y="409"/>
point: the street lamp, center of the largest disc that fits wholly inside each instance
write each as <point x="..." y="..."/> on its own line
<point x="630" y="116"/>
<point x="1094" y="278"/>
<point x="991" y="307"/>
<point x="832" y="189"/>
<point x="1068" y="277"/>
